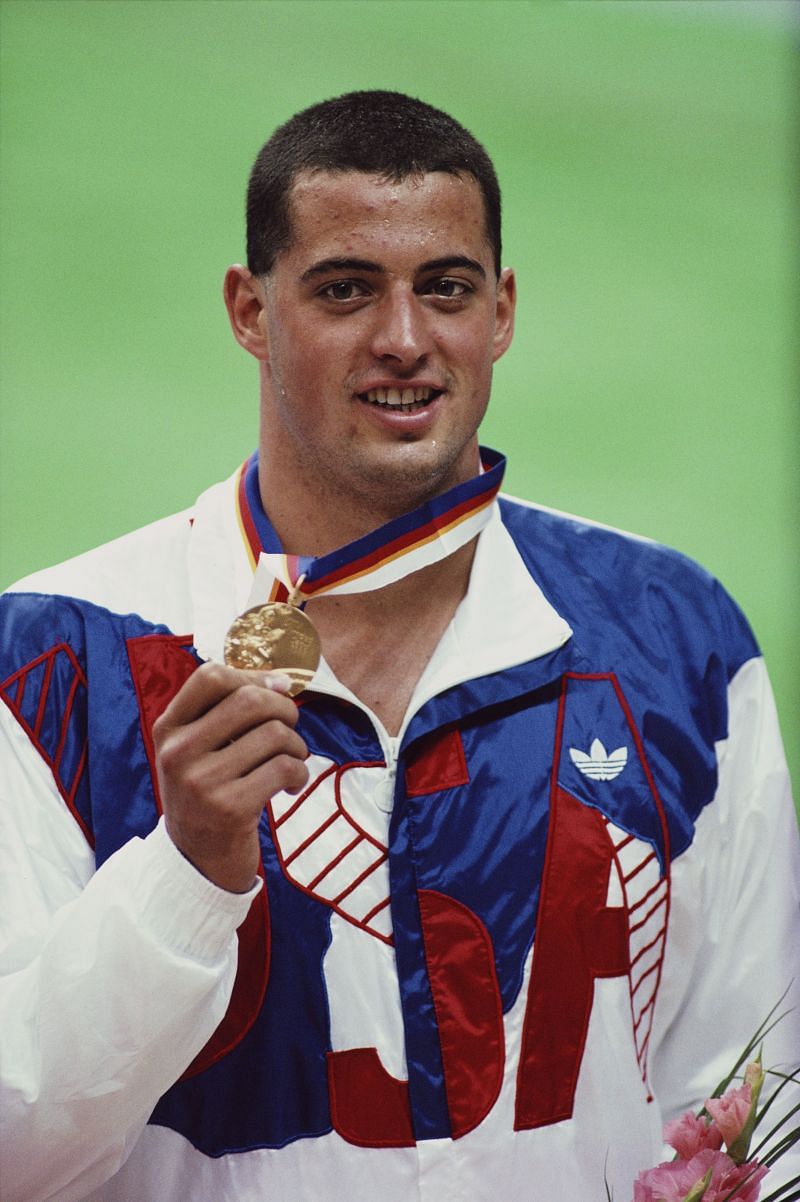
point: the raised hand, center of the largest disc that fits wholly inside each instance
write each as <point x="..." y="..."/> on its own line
<point x="224" y="745"/>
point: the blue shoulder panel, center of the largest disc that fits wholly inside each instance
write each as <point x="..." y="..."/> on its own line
<point x="664" y="627"/>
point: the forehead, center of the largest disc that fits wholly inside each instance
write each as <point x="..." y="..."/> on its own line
<point x="342" y="213"/>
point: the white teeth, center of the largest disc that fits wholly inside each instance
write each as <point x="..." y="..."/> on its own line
<point x="399" y="397"/>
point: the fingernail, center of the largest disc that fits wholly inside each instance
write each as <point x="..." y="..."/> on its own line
<point x="278" y="681"/>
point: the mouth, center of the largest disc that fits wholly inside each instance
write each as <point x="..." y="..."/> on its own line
<point x="400" y="400"/>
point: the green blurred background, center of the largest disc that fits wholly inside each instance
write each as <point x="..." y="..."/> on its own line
<point x="646" y="154"/>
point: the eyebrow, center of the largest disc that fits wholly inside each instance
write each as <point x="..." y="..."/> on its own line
<point x="326" y="265"/>
<point x="449" y="261"/>
<point x="366" y="265"/>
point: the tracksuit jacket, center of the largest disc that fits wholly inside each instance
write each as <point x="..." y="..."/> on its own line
<point x="485" y="959"/>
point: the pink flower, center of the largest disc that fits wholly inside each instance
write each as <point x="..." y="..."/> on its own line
<point x="730" y="1112"/>
<point x="668" y="1182"/>
<point x="673" y="1180"/>
<point x="690" y="1134"/>
<point x="745" y="1178"/>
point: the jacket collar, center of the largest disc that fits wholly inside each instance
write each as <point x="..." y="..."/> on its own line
<point x="504" y="622"/>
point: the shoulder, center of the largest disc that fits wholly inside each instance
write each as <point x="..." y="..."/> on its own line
<point x="134" y="585"/>
<point x="621" y="589"/>
<point x="143" y="572"/>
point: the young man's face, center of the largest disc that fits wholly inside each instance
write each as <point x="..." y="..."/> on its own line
<point x="382" y="321"/>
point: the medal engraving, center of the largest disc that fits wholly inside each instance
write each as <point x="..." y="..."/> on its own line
<point x="275" y="637"/>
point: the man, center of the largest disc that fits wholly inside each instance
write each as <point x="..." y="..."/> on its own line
<point x="511" y="879"/>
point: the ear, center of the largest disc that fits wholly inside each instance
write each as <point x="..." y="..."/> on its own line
<point x="504" y="312"/>
<point x="245" y="302"/>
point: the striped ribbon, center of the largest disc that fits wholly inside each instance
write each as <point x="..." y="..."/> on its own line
<point x="396" y="549"/>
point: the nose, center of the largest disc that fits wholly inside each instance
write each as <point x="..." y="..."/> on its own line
<point x="401" y="332"/>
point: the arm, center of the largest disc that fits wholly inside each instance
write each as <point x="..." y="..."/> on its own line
<point x="734" y="941"/>
<point x="113" y="981"/>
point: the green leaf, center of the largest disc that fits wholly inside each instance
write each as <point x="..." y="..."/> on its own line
<point x="695" y="1194"/>
<point x="780" y="1195"/>
<point x="739" y="1148"/>
<point x="763" y="1029"/>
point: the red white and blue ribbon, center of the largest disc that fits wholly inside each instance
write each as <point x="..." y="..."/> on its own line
<point x="404" y="545"/>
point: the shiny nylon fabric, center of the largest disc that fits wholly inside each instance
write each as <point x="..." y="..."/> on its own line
<point x="486" y="857"/>
<point x="117" y="772"/>
<point x="480" y="843"/>
<point x="491" y="867"/>
<point x="668" y="631"/>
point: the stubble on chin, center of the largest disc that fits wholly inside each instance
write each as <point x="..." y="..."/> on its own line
<point x="393" y="484"/>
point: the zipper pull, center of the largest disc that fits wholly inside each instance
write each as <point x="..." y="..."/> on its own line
<point x="384" y="798"/>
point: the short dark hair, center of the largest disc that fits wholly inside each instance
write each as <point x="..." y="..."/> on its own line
<point x="382" y="133"/>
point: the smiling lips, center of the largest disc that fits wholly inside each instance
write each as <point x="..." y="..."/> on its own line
<point x="400" y="400"/>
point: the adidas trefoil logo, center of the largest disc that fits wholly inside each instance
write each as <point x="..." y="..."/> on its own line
<point x="598" y="764"/>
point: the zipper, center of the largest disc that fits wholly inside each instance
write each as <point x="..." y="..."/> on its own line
<point x="390" y="745"/>
<point x="385" y="799"/>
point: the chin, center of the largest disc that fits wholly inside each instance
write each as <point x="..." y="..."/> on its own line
<point x="413" y="473"/>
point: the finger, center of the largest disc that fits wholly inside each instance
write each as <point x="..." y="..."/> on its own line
<point x="212" y="795"/>
<point x="257" y="746"/>
<point x="283" y="773"/>
<point x="278" y="681"/>
<point x="247" y="708"/>
<point x="247" y="704"/>
<point x="208" y="685"/>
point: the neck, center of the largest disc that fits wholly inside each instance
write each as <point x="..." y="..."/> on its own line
<point x="379" y="643"/>
<point x="314" y="513"/>
<point x="311" y="520"/>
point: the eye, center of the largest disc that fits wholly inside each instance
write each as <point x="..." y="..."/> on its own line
<point x="448" y="288"/>
<point x="343" y="290"/>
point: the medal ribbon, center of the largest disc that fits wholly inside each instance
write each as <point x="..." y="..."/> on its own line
<point x="396" y="549"/>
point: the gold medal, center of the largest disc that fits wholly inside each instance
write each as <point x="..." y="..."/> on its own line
<point x="275" y="637"/>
